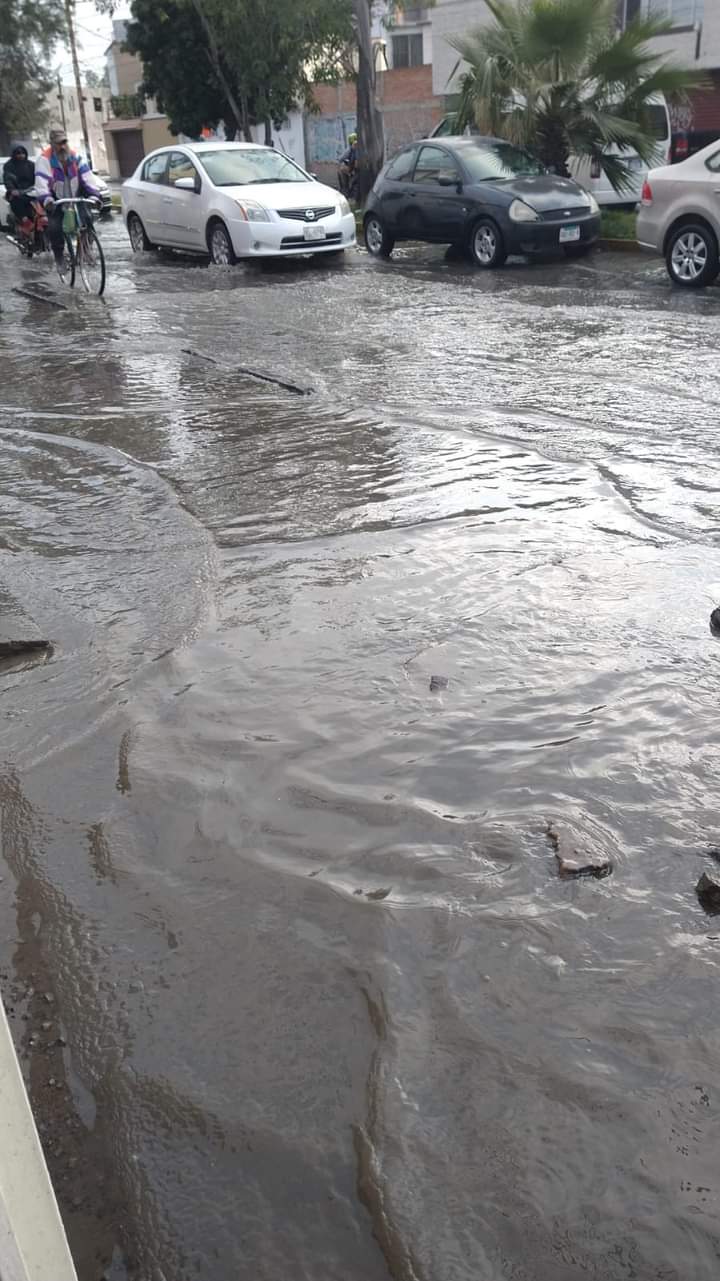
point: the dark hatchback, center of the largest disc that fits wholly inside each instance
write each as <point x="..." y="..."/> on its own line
<point x="481" y="194"/>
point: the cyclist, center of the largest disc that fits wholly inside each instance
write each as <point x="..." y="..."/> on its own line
<point x="19" y="177"/>
<point x="59" y="175"/>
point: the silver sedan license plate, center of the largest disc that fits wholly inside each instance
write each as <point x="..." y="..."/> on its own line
<point x="319" y="233"/>
<point x="568" y="234"/>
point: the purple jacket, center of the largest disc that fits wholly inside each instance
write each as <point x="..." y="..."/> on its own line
<point x="50" y="179"/>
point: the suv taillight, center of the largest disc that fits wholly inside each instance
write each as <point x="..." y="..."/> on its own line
<point x="647" y="195"/>
<point x="682" y="147"/>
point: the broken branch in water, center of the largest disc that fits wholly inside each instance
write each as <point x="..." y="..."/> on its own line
<point x="251" y="373"/>
<point x="27" y="293"/>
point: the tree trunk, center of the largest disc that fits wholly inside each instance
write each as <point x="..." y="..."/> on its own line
<point x="214" y="56"/>
<point x="231" y="124"/>
<point x="268" y="132"/>
<point x="552" y="147"/>
<point x="371" y="135"/>
<point x="245" y="117"/>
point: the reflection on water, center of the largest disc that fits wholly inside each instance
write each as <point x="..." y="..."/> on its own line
<point x="334" y="1010"/>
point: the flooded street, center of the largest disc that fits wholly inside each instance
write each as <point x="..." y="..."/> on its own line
<point x="327" y="1011"/>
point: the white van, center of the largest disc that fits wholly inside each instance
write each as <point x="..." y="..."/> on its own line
<point x="590" y="175"/>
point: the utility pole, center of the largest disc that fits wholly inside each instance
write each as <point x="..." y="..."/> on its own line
<point x="61" y="100"/>
<point x="78" y="82"/>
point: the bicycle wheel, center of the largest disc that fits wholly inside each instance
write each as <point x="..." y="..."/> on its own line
<point x="90" y="261"/>
<point x="66" y="268"/>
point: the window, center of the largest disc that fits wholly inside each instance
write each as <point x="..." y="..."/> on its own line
<point x="407" y="51"/>
<point x="433" y="164"/>
<point x="487" y="160"/>
<point x="682" y="13"/>
<point x="400" y="169"/>
<point x="713" y="163"/>
<point x="246" y="166"/>
<point x="155" y="168"/>
<point x="97" y="105"/>
<point x="179" y="166"/>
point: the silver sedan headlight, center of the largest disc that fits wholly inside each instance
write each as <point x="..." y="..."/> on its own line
<point x="520" y="212"/>
<point x="594" y="206"/>
<point x="344" y="207"/>
<point x="251" y="211"/>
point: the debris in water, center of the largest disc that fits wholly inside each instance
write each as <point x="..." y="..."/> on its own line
<point x="438" y="682"/>
<point x="27" y="293"/>
<point x="378" y="894"/>
<point x="578" y="865"/>
<point x="708" y="892"/>
<point x="11" y="648"/>
<point x="715" y="621"/>
<point x="251" y="373"/>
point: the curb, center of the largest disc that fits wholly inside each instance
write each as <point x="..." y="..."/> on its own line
<point x="624" y="246"/>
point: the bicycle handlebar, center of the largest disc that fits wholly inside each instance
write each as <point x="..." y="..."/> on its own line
<point x="77" y="200"/>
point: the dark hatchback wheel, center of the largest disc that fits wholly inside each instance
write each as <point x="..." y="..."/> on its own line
<point x="378" y="241"/>
<point x="487" y="246"/>
<point x="691" y="256"/>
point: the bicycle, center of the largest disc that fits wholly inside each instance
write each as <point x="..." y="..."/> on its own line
<point x="84" y="251"/>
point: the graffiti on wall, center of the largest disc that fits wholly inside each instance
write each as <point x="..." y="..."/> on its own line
<point x="327" y="137"/>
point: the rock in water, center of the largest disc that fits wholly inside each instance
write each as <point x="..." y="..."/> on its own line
<point x="437" y="683"/>
<point x="708" y="892"/>
<point x="715" y="621"/>
<point x="573" y="863"/>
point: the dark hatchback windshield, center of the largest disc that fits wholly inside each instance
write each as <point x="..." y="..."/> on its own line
<point x="485" y="160"/>
<point x="245" y="168"/>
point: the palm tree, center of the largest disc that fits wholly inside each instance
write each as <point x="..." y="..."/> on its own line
<point x="559" y="77"/>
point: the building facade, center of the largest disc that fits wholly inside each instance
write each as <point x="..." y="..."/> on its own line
<point x="134" y="125"/>
<point x="63" y="112"/>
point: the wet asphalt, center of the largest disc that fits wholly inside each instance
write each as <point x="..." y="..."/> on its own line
<point x="296" y="983"/>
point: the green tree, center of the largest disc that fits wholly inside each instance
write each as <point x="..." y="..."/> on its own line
<point x="168" y="37"/>
<point x="371" y="134"/>
<point x="241" y="61"/>
<point x="560" y="77"/>
<point x="28" y="31"/>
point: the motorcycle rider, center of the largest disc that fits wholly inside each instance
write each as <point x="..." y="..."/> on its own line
<point x="61" y="174"/>
<point x="348" y="165"/>
<point x="19" y="177"/>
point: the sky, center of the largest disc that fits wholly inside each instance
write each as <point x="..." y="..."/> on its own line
<point x="93" y="32"/>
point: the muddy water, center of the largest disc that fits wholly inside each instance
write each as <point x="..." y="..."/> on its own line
<point x="329" y="1011"/>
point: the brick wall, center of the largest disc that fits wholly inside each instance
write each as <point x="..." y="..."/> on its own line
<point x="705" y="105"/>
<point x="405" y="97"/>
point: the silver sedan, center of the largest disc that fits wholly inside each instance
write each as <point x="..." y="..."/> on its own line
<point x="680" y="217"/>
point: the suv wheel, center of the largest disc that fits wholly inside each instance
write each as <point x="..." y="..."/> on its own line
<point x="692" y="256"/>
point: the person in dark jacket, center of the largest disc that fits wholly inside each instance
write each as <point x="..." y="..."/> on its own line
<point x="19" y="176"/>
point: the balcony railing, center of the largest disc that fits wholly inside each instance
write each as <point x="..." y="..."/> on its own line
<point x="127" y="106"/>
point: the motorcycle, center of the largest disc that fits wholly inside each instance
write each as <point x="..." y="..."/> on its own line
<point x="348" y="183"/>
<point x="28" y="235"/>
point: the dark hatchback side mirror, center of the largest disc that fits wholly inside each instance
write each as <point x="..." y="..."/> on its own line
<point x="449" y="180"/>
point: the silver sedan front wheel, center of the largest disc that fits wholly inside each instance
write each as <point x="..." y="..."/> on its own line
<point x="692" y="257"/>
<point x="221" y="250"/>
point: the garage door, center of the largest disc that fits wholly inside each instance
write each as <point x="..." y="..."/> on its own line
<point x="129" y="150"/>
